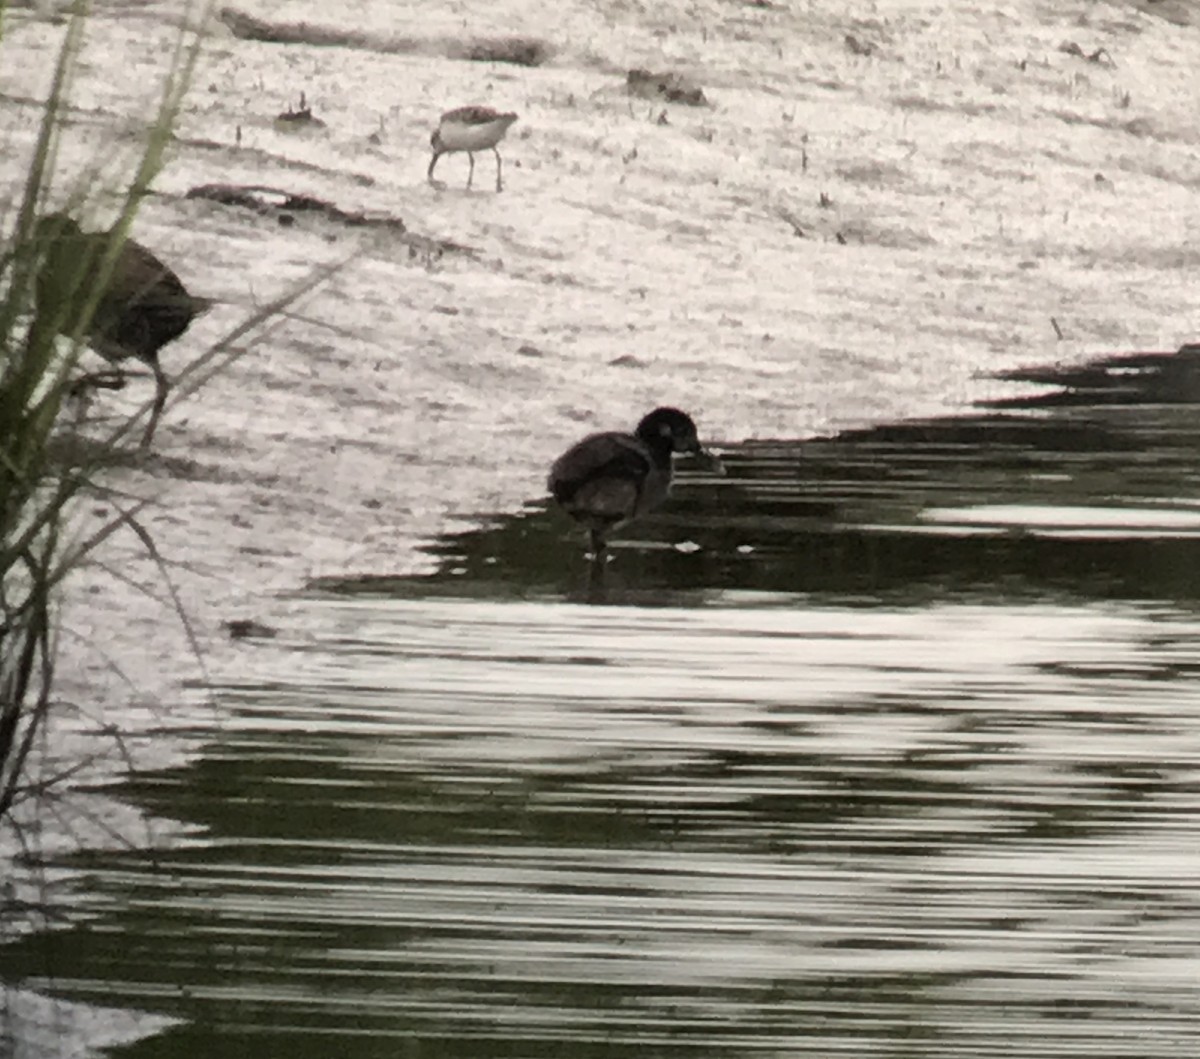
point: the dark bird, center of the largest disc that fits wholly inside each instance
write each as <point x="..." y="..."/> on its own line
<point x="609" y="479"/>
<point x="141" y="306"/>
<point x="470" y="129"/>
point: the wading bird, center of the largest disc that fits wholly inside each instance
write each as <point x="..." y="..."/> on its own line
<point x="470" y="129"/>
<point x="609" y="479"/>
<point x="142" y="306"/>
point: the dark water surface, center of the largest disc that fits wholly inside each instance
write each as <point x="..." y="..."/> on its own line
<point x="884" y="745"/>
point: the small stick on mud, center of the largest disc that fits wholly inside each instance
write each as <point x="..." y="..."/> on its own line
<point x="858" y="47"/>
<point x="1058" y="331"/>
<point x="785" y="214"/>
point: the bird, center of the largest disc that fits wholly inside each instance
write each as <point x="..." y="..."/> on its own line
<point x="470" y="129"/>
<point x="611" y="478"/>
<point x="143" y="304"/>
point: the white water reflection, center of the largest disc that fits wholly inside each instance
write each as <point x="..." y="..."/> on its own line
<point x="765" y="824"/>
<point x="954" y="830"/>
<point x="524" y="682"/>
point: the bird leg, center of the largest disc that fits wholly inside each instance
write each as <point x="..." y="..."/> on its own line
<point x="471" y="171"/>
<point x="597" y="583"/>
<point x="599" y="547"/>
<point x="161" y="386"/>
<point x="432" y="163"/>
<point x="499" y="185"/>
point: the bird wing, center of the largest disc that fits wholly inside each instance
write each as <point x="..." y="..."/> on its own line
<point x="143" y="303"/>
<point x="71" y="269"/>
<point x="139" y="275"/>
<point x="63" y="273"/>
<point x="610" y="455"/>
<point x="472" y="115"/>
<point x="605" y="502"/>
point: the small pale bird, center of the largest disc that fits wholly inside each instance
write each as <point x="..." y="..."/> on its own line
<point x="142" y="307"/>
<point x="470" y="129"/>
<point x="609" y="479"/>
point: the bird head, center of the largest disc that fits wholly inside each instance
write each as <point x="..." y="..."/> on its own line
<point x="56" y="226"/>
<point x="669" y="428"/>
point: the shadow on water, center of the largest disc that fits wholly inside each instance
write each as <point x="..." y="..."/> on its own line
<point x="1088" y="488"/>
<point x="898" y="759"/>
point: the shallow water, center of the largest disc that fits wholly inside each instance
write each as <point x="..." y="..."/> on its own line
<point x="896" y="757"/>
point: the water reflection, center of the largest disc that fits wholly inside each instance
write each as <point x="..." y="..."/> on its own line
<point x="900" y="761"/>
<point x="481" y="828"/>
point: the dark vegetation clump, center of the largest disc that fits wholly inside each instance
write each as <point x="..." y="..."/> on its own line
<point x="249" y="27"/>
<point x="1096" y="55"/>
<point x="286" y="206"/>
<point x="302" y="115"/>
<point x="670" y="86"/>
<point x="520" y="51"/>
